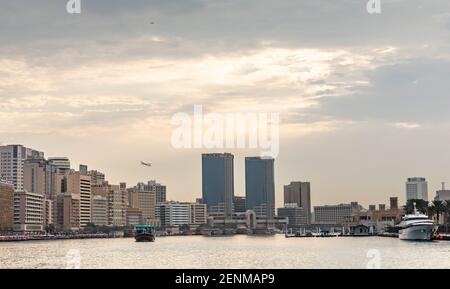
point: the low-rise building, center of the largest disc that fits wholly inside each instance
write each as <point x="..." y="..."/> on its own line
<point x="295" y="214"/>
<point x="335" y="214"/>
<point x="376" y="219"/>
<point x="28" y="212"/>
<point x="198" y="214"/>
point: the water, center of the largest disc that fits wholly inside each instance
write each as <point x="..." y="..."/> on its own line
<point x="234" y="252"/>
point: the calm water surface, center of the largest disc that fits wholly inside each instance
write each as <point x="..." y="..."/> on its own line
<point x="227" y="252"/>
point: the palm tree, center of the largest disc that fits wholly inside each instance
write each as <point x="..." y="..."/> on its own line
<point x="446" y="214"/>
<point x="437" y="208"/>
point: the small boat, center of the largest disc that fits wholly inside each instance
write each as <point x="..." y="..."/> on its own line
<point x="144" y="233"/>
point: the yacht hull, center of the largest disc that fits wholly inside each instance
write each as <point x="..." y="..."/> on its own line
<point x="417" y="233"/>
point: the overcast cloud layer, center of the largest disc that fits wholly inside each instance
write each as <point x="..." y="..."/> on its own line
<point x="363" y="99"/>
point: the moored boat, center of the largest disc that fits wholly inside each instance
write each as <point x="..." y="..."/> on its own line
<point x="416" y="227"/>
<point x="144" y="233"/>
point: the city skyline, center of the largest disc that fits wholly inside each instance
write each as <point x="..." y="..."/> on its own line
<point x="362" y="106"/>
<point x="100" y="175"/>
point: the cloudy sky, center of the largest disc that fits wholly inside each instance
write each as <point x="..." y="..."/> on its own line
<point x="363" y="99"/>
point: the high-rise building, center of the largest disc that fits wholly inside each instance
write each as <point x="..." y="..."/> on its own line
<point x="97" y="178"/>
<point x="260" y="186"/>
<point x="218" y="183"/>
<point x="299" y="193"/>
<point x="144" y="201"/>
<point x="99" y="210"/>
<point x="61" y="163"/>
<point x="116" y="202"/>
<point x="49" y="213"/>
<point x="41" y="177"/>
<point x="12" y="158"/>
<point x="6" y="206"/>
<point x="29" y="212"/>
<point x="80" y="184"/>
<point x="68" y="212"/>
<point x="417" y="189"/>
<point x="295" y="214"/>
<point x="239" y="204"/>
<point x="157" y="188"/>
<point x="116" y="206"/>
<point x="153" y="186"/>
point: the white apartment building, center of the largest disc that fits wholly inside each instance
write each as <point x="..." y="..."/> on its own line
<point x="29" y="212"/>
<point x="12" y="159"/>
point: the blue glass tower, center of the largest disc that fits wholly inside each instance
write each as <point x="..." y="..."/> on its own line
<point x="218" y="183"/>
<point x="260" y="186"/>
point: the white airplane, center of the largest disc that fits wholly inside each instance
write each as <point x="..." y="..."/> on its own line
<point x="146" y="164"/>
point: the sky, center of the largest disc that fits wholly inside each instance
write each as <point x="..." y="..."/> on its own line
<point x="363" y="98"/>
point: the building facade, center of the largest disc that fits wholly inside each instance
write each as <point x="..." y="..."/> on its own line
<point x="97" y="178"/>
<point x="299" y="193"/>
<point x="198" y="214"/>
<point x="218" y="183"/>
<point x="417" y="189"/>
<point x="174" y="214"/>
<point x="240" y="205"/>
<point x="335" y="214"/>
<point x="12" y="158"/>
<point x="68" y="212"/>
<point x="100" y="211"/>
<point x="80" y="184"/>
<point x="29" y="212"/>
<point x="61" y="163"/>
<point x="260" y="186"/>
<point x="144" y="201"/>
<point x="157" y="188"/>
<point x="6" y="207"/>
<point x="296" y="215"/>
<point x="134" y="217"/>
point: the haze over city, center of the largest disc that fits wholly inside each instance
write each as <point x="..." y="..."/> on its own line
<point x="363" y="103"/>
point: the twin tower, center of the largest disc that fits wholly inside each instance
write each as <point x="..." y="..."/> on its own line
<point x="218" y="184"/>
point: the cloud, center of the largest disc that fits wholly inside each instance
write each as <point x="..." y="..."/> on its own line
<point x="405" y="125"/>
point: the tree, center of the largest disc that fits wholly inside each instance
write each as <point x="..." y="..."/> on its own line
<point x="421" y="206"/>
<point x="437" y="208"/>
<point x="50" y="229"/>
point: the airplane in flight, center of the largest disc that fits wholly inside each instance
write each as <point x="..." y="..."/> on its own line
<point x="146" y="164"/>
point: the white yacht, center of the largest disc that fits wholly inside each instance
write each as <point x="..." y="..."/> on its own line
<point x="416" y="227"/>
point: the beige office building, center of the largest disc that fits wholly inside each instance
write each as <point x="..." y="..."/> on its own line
<point x="29" y="209"/>
<point x="97" y="178"/>
<point x="146" y="202"/>
<point x="116" y="202"/>
<point x="80" y="184"/>
<point x="6" y="206"/>
<point x="299" y="193"/>
<point x="68" y="212"/>
<point x="100" y="210"/>
<point x="198" y="214"/>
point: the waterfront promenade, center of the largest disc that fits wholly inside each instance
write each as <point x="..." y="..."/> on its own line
<point x="48" y="237"/>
